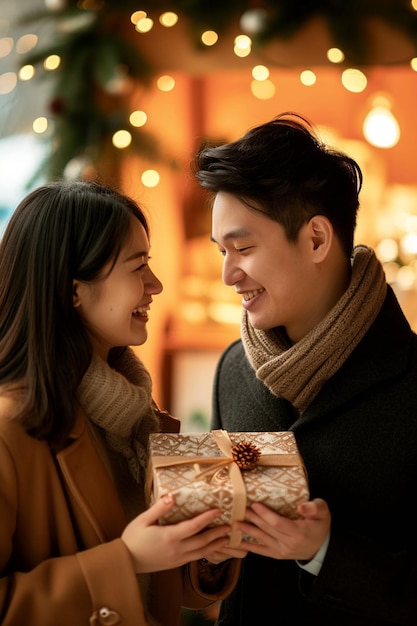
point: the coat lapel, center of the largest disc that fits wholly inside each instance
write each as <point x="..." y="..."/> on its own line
<point x="90" y="485"/>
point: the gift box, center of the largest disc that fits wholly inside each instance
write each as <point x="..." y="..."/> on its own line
<point x="227" y="470"/>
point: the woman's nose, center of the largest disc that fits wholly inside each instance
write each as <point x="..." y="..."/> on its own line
<point x="153" y="284"/>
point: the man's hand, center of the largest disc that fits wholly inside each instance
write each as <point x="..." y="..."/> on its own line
<point x="278" y="537"/>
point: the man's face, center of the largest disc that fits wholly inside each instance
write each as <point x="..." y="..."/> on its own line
<point x="274" y="276"/>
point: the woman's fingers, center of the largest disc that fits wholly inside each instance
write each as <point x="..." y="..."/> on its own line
<point x="196" y="524"/>
<point x="187" y="527"/>
<point x="157" y="510"/>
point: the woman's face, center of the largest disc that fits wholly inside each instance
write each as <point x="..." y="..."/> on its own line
<point x="115" y="310"/>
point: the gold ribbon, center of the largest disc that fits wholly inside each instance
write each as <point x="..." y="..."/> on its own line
<point x="222" y="440"/>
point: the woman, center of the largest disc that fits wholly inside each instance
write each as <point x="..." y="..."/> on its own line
<point x="77" y="542"/>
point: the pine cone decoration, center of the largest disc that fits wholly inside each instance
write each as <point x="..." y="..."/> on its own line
<point x="245" y="455"/>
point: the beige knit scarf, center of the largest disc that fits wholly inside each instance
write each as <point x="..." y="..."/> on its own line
<point x="119" y="400"/>
<point x="298" y="372"/>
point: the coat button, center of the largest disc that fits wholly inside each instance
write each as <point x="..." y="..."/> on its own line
<point x="107" y="617"/>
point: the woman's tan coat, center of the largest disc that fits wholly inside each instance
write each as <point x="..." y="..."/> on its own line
<point x="62" y="561"/>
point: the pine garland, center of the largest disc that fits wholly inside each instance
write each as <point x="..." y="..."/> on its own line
<point x="92" y="46"/>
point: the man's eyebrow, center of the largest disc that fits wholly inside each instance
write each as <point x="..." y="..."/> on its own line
<point x="238" y="233"/>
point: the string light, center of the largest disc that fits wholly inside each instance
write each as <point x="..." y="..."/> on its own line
<point x="409" y="243"/>
<point x="308" y="78"/>
<point x="137" y="16"/>
<point x="144" y="25"/>
<point x="138" y="118"/>
<point x="387" y="250"/>
<point x="168" y="19"/>
<point x="122" y="139"/>
<point x="26" y="43"/>
<point x="8" y="82"/>
<point x="260" y="72"/>
<point x="165" y="83"/>
<point x="406" y="278"/>
<point x="209" y="38"/>
<point x="335" y="55"/>
<point x="398" y="250"/>
<point x="263" y="89"/>
<point x="40" y="125"/>
<point x="150" y="178"/>
<point x="6" y="46"/>
<point x="354" y="80"/>
<point x="253" y="21"/>
<point x="52" y="62"/>
<point x="27" y="72"/>
<point x="242" y="46"/>
<point x="380" y="127"/>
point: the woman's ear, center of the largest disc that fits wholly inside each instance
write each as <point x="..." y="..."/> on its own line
<point x="76" y="300"/>
<point x="321" y="233"/>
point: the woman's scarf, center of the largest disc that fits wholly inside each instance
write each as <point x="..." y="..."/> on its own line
<point x="298" y="372"/>
<point x="118" y="399"/>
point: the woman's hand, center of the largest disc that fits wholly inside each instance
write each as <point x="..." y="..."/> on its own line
<point x="278" y="537"/>
<point x="157" y="547"/>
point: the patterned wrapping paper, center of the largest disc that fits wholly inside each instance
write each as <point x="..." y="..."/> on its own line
<point x="198" y="468"/>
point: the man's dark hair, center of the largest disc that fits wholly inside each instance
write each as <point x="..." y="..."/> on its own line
<point x="282" y="169"/>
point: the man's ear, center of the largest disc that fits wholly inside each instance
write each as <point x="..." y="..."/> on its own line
<point x="321" y="233"/>
<point x="76" y="300"/>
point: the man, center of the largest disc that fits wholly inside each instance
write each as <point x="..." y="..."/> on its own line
<point x="326" y="352"/>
